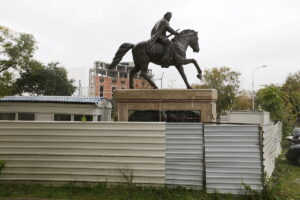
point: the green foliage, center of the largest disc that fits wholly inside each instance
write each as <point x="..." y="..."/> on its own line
<point x="272" y="99"/>
<point x="292" y="88"/>
<point x="16" y="49"/>
<point x="83" y="119"/>
<point x="16" y="52"/>
<point x="44" y="80"/>
<point x="242" y="102"/>
<point x="2" y="164"/>
<point x="226" y="82"/>
<point x="6" y="84"/>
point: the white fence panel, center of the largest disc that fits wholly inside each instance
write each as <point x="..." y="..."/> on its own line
<point x="271" y="145"/>
<point x="232" y="157"/>
<point x="83" y="152"/>
<point x="184" y="154"/>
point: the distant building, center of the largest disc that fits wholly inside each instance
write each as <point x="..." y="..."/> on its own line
<point x="102" y="82"/>
<point x="252" y="117"/>
<point x="54" y="108"/>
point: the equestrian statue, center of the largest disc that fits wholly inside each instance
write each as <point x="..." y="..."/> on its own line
<point x="161" y="51"/>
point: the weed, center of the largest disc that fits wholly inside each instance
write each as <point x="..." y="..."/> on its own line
<point x="127" y="174"/>
<point x="2" y="165"/>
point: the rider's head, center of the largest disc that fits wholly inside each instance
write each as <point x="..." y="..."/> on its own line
<point x="168" y="16"/>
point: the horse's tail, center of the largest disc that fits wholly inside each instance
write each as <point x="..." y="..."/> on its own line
<point x="120" y="53"/>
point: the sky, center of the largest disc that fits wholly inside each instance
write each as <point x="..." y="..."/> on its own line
<point x="239" y="34"/>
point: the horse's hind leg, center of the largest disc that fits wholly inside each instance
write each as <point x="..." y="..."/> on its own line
<point x="143" y="74"/>
<point x="132" y="72"/>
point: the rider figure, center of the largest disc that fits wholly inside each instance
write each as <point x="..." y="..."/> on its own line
<point x="158" y="34"/>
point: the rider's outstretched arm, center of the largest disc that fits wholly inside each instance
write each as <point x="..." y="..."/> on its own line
<point x="171" y="30"/>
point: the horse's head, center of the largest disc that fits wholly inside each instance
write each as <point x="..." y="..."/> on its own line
<point x="192" y="38"/>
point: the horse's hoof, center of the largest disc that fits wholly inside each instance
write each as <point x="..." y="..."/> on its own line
<point x="199" y="76"/>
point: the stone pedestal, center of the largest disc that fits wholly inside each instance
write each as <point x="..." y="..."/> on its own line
<point x="203" y="100"/>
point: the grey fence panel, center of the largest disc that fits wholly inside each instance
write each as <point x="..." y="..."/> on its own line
<point x="233" y="157"/>
<point x="184" y="154"/>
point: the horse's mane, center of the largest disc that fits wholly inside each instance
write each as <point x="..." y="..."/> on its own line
<point x="187" y="31"/>
<point x="183" y="32"/>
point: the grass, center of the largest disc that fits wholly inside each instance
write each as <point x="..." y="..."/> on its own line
<point x="101" y="191"/>
<point x="285" y="181"/>
<point x="284" y="185"/>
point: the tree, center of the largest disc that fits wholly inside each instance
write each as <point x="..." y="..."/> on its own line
<point x="45" y="80"/>
<point x="16" y="49"/>
<point x="6" y="84"/>
<point x="292" y="88"/>
<point x="226" y="82"/>
<point x="16" y="52"/>
<point x="243" y="101"/>
<point x="272" y="99"/>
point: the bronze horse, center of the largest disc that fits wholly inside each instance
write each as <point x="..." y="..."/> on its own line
<point x="143" y="54"/>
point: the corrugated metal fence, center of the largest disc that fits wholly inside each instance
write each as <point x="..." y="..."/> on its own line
<point x="227" y="157"/>
<point x="232" y="157"/>
<point x="271" y="145"/>
<point x="83" y="152"/>
<point x="184" y="154"/>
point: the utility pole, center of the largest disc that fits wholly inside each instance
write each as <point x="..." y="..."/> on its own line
<point x="253" y="84"/>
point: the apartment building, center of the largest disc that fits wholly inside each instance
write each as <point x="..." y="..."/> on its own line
<point x="102" y="81"/>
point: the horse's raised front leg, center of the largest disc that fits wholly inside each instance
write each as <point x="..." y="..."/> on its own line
<point x="188" y="61"/>
<point x="181" y="71"/>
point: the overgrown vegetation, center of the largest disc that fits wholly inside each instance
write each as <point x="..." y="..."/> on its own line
<point x="128" y="174"/>
<point x="274" y="99"/>
<point x="103" y="191"/>
<point x="2" y="164"/>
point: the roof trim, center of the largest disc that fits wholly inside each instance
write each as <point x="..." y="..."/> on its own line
<point x="53" y="99"/>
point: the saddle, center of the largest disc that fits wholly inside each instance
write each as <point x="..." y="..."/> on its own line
<point x="157" y="49"/>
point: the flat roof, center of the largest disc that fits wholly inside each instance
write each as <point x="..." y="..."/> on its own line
<point x="53" y="99"/>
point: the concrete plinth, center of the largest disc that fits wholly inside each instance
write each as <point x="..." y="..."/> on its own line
<point x="203" y="100"/>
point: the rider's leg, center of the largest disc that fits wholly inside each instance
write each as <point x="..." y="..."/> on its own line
<point x="168" y="43"/>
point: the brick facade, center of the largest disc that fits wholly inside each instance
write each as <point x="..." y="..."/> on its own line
<point x="102" y="81"/>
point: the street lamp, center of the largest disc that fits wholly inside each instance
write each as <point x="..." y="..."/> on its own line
<point x="253" y="84"/>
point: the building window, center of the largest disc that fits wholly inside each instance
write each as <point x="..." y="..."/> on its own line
<point x="99" y="118"/>
<point x="26" y="116"/>
<point x="114" y="81"/>
<point x="113" y="89"/>
<point x="101" y="80"/>
<point x="83" y="117"/>
<point x="62" y="117"/>
<point x="101" y="91"/>
<point x="123" y="82"/>
<point x="7" y="116"/>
